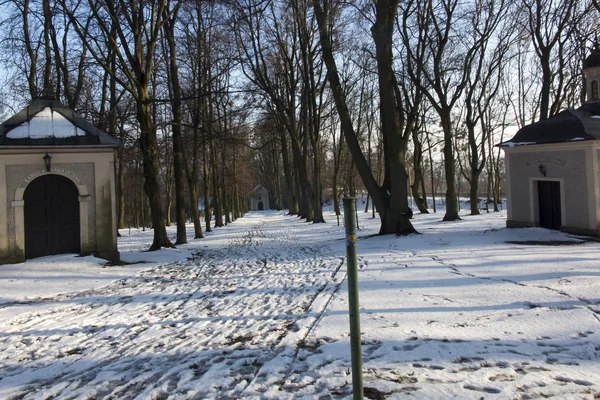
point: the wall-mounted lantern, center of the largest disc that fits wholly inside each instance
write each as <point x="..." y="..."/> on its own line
<point x="48" y="161"/>
<point x="542" y="170"/>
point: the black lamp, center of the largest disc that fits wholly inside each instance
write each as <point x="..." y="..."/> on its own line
<point x="542" y="170"/>
<point x="47" y="161"/>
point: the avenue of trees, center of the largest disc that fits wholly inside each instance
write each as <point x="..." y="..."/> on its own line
<point x="313" y="99"/>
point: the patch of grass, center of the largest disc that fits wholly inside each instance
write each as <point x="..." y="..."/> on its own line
<point x="238" y="339"/>
<point x="375" y="394"/>
<point x="531" y="305"/>
<point x="122" y="263"/>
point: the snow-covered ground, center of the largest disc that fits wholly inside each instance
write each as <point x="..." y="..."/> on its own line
<point x="258" y="309"/>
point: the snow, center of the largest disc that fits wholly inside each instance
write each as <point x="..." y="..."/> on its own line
<point x="513" y="144"/>
<point x="47" y="123"/>
<point x="577" y="138"/>
<point x="595" y="116"/>
<point x="259" y="309"/>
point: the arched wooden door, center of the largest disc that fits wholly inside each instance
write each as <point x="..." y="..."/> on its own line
<point x="51" y="217"/>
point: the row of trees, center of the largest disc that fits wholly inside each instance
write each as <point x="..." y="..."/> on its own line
<point x="303" y="96"/>
<point x="407" y="77"/>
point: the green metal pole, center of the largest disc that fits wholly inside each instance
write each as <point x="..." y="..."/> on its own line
<point x="352" y="263"/>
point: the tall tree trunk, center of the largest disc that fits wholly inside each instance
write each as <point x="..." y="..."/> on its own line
<point x="395" y="143"/>
<point x="47" y="12"/>
<point x="206" y="182"/>
<point x="475" y="168"/>
<point x="149" y="149"/>
<point x="227" y="202"/>
<point x="393" y="208"/>
<point x="193" y="194"/>
<point x="178" y="161"/>
<point x="337" y="154"/>
<point x="292" y="200"/>
<point x="31" y="52"/>
<point x="421" y="202"/>
<point x="378" y="194"/>
<point x="169" y="200"/>
<point x="449" y="169"/>
<point x="235" y="196"/>
<point x="431" y="172"/>
<point x="216" y="190"/>
<point x="302" y="161"/>
<point x="192" y="176"/>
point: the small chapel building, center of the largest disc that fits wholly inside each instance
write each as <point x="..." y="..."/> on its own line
<point x="259" y="199"/>
<point x="553" y="166"/>
<point x="57" y="185"/>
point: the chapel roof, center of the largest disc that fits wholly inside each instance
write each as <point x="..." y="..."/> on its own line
<point x="47" y="122"/>
<point x="570" y="125"/>
<point x="259" y="189"/>
<point x="593" y="60"/>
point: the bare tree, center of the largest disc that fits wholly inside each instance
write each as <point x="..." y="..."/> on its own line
<point x="391" y="199"/>
<point x="137" y="27"/>
<point x="550" y="25"/>
<point x="444" y="80"/>
<point x="482" y="86"/>
<point x="171" y="13"/>
<point x="269" y="53"/>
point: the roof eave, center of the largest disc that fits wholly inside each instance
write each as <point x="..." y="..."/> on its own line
<point x="96" y="146"/>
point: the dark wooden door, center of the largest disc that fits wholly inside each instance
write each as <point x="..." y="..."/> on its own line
<point x="261" y="205"/>
<point x="549" y="204"/>
<point x="51" y="217"/>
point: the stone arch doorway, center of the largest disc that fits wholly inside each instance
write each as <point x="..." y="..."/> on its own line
<point x="51" y="211"/>
<point x="261" y="206"/>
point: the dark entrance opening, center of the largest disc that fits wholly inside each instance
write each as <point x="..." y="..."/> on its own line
<point x="51" y="217"/>
<point x="549" y="204"/>
<point x="261" y="206"/>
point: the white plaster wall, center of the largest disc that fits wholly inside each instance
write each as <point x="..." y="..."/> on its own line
<point x="92" y="171"/>
<point x="264" y="197"/>
<point x="571" y="165"/>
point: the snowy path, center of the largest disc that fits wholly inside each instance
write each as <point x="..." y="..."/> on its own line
<point x="223" y="324"/>
<point x="259" y="310"/>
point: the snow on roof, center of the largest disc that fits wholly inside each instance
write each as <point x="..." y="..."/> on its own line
<point x="513" y="144"/>
<point x="45" y="124"/>
<point x="566" y="126"/>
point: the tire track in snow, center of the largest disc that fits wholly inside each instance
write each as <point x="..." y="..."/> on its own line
<point x="319" y="314"/>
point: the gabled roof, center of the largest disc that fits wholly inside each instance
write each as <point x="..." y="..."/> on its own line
<point x="593" y="60"/>
<point x="47" y="122"/>
<point x="258" y="189"/>
<point x="567" y="126"/>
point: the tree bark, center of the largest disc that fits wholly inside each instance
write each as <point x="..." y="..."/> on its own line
<point x="178" y="161"/>
<point x="149" y="149"/>
<point x="292" y="200"/>
<point x="382" y="32"/>
<point x="421" y="202"/>
<point x="392" y="215"/>
<point x="449" y="168"/>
